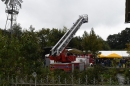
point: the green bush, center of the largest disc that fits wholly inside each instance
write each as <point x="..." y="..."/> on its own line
<point x="127" y="73"/>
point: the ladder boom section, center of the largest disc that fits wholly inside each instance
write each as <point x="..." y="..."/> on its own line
<point x="54" y="49"/>
<point x="66" y="38"/>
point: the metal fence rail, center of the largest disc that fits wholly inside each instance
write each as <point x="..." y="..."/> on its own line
<point x="61" y="81"/>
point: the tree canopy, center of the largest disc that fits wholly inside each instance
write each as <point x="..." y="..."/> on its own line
<point x="92" y="42"/>
<point x="119" y="41"/>
<point x="21" y="51"/>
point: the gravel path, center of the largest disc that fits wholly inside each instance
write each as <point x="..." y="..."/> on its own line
<point x="121" y="79"/>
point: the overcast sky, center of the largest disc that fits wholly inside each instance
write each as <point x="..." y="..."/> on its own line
<point x="105" y="16"/>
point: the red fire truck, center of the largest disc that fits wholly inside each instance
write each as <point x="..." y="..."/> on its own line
<point x="62" y="58"/>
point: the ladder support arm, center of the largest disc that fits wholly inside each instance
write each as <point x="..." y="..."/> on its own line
<point x="66" y="38"/>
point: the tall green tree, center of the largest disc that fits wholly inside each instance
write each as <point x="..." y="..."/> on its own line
<point x="91" y="42"/>
<point x="49" y="37"/>
<point x="43" y="37"/>
<point x="31" y="51"/>
<point x="9" y="54"/>
<point x="55" y="35"/>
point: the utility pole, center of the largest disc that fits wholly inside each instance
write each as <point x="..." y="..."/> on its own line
<point x="11" y="22"/>
<point x="11" y="18"/>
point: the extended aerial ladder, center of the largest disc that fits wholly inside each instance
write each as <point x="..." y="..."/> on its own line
<point x="60" y="46"/>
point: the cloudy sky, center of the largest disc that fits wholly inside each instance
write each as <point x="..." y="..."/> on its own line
<point x="105" y="16"/>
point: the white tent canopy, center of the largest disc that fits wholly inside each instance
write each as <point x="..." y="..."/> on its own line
<point x="121" y="53"/>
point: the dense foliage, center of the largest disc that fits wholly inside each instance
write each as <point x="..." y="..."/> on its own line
<point x="96" y="75"/>
<point x="93" y="43"/>
<point x="21" y="51"/>
<point x="119" y="41"/>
